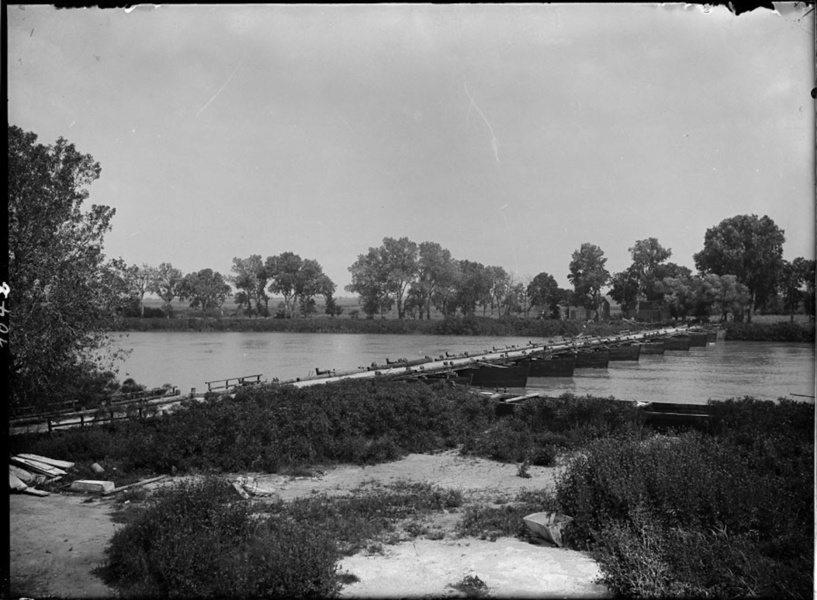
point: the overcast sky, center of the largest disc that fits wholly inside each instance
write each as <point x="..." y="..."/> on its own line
<point x="508" y="134"/>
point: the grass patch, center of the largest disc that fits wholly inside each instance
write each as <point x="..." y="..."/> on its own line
<point x="492" y="522"/>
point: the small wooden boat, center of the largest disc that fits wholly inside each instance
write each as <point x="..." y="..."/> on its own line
<point x="561" y="365"/>
<point x="677" y="342"/>
<point x="498" y="376"/>
<point x="593" y="359"/>
<point x="653" y="347"/>
<point x="670" y="414"/>
<point x="630" y="352"/>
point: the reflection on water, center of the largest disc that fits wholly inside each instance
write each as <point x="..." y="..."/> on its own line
<point x="766" y="370"/>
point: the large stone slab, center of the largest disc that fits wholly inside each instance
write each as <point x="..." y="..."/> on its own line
<point x="90" y="485"/>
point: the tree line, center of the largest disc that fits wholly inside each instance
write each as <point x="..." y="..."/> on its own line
<point x="288" y="275"/>
<point x="740" y="270"/>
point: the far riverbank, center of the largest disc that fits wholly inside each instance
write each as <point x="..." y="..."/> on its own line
<point x="781" y="331"/>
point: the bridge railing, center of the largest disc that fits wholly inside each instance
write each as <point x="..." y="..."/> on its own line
<point x="225" y="384"/>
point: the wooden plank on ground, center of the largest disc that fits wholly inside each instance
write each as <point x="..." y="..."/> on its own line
<point x="61" y="464"/>
<point x="15" y="483"/>
<point x="39" y="467"/>
<point x="136" y="484"/>
<point x="22" y="474"/>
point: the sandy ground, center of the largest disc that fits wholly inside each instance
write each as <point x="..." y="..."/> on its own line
<point x="57" y="541"/>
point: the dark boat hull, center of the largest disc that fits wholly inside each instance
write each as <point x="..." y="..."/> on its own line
<point x="596" y="359"/>
<point x="653" y="348"/>
<point x="491" y="376"/>
<point x="697" y="339"/>
<point x="678" y="342"/>
<point x="625" y="352"/>
<point x="556" y="366"/>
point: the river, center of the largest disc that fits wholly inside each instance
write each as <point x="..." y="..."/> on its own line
<point x="764" y="370"/>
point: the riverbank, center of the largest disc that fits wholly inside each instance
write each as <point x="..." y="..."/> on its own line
<point x="782" y="331"/>
<point x="645" y="504"/>
<point x="73" y="530"/>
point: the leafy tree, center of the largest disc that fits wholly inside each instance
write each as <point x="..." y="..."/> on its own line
<point x="206" y="290"/>
<point x="166" y="285"/>
<point x="625" y="289"/>
<point x="809" y="278"/>
<point x="794" y="276"/>
<point x="748" y="247"/>
<point x="121" y="279"/>
<point x="588" y="276"/>
<point x="679" y="295"/>
<point x="473" y="287"/>
<point x="436" y="273"/>
<point x="516" y="299"/>
<point x="310" y="282"/>
<point x="250" y="275"/>
<point x="718" y="293"/>
<point x="500" y="284"/>
<point x="542" y="292"/>
<point x="60" y="304"/>
<point x="370" y="280"/>
<point x="283" y="272"/>
<point x="399" y="258"/>
<point x="647" y="256"/>
<point x="142" y="278"/>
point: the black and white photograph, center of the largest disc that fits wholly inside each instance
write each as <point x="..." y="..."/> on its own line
<point x="411" y="300"/>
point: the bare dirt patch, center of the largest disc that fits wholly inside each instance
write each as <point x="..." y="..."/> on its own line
<point x="59" y="540"/>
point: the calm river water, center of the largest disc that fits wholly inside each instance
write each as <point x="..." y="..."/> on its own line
<point x="765" y="370"/>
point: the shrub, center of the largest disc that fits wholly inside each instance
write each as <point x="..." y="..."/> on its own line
<point x="195" y="541"/>
<point x="539" y="429"/>
<point x="696" y="514"/>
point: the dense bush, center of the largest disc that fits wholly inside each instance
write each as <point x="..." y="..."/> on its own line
<point x="783" y="331"/>
<point x="196" y="541"/>
<point x="270" y="427"/>
<point x="724" y="514"/>
<point x="539" y="429"/>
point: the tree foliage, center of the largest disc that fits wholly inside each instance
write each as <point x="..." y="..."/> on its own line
<point x="797" y="285"/>
<point x="543" y="295"/>
<point x="250" y="276"/>
<point x="436" y="274"/>
<point x="60" y="304"/>
<point x="283" y="271"/>
<point x="205" y="289"/>
<point x="588" y="276"/>
<point x="399" y="258"/>
<point x="167" y="284"/>
<point x="748" y="247"/>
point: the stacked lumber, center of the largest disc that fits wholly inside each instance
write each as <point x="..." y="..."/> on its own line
<point x="29" y="470"/>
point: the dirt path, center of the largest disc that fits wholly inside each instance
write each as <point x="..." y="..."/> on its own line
<point x="58" y="540"/>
